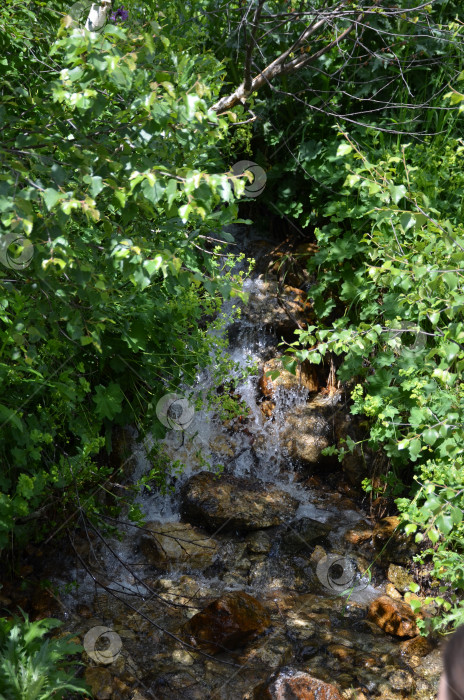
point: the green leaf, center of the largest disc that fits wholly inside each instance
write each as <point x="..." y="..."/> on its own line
<point x="415" y="447"/>
<point x="430" y="436"/>
<point x="410" y="528"/>
<point x="96" y="184"/>
<point x="397" y="192"/>
<point x="108" y="400"/>
<point x="153" y="192"/>
<point x="51" y="197"/>
<point x="444" y="523"/>
<point x="407" y="221"/>
<point x="451" y="280"/>
<point x="171" y="191"/>
<point x="344" y="149"/>
<point x="9" y="416"/>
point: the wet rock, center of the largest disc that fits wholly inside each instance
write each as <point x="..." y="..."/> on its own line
<point x="384" y="529"/>
<point x="267" y="408"/>
<point x="120" y="690"/>
<point x="137" y="695"/>
<point x="259" y="542"/>
<point x="122" y="456"/>
<point x="393" y="616"/>
<point x="391" y="591"/>
<point x="278" y="307"/>
<point x="84" y="611"/>
<point x="305" y="378"/>
<point x="177" y="543"/>
<point x="296" y="685"/>
<point x="400" y="577"/>
<point x="318" y="554"/>
<point x="305" y="251"/>
<point x="341" y="651"/>
<point x="303" y="534"/>
<point x="359" y="533"/>
<point x="306" y="433"/>
<point x="431" y="666"/>
<point x="416" y="647"/>
<point x="228" y="622"/>
<point x="394" y="545"/>
<point x="220" y="446"/>
<point x="291" y="266"/>
<point x="100" y="681"/>
<point x="274" y="652"/>
<point x="401" y="680"/>
<point x="234" y="503"/>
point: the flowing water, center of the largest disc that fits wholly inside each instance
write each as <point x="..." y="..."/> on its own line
<point x="315" y="627"/>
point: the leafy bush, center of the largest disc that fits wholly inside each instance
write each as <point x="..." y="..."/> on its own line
<point x="32" y="667"/>
<point x="392" y="258"/>
<point x="113" y="177"/>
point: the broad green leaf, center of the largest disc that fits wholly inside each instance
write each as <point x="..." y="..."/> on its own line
<point x="51" y="197"/>
<point x="397" y="192"/>
<point x="344" y="149"/>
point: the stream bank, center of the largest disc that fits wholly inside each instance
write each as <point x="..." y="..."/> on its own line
<point x="235" y="587"/>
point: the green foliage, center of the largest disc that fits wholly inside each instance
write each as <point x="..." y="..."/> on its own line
<point x="33" y="667"/>
<point x="113" y="178"/>
<point x="391" y="255"/>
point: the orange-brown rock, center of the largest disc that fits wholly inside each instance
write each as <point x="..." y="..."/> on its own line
<point x="305" y="378"/>
<point x="393" y="592"/>
<point x="100" y="681"/>
<point x="267" y="408"/>
<point x="307" y="430"/>
<point x="296" y="685"/>
<point x="228" y="622"/>
<point x="393" y="616"/>
<point x="418" y="646"/>
<point x="235" y="503"/>
<point x="341" y="651"/>
<point x="385" y="529"/>
<point x="359" y="533"/>
<point x="280" y="307"/>
<point x="176" y="544"/>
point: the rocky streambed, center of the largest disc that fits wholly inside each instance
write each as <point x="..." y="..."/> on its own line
<point x="268" y="580"/>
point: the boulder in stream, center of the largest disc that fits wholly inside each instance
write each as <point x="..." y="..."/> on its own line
<point x="307" y="431"/>
<point x="281" y="308"/>
<point x="305" y="378"/>
<point x="358" y="534"/>
<point x="288" y="683"/>
<point x="393" y="617"/>
<point x="400" y="577"/>
<point x="394" y="545"/>
<point x="171" y="544"/>
<point x="235" y="503"/>
<point x="303" y="534"/>
<point x="228" y="623"/>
